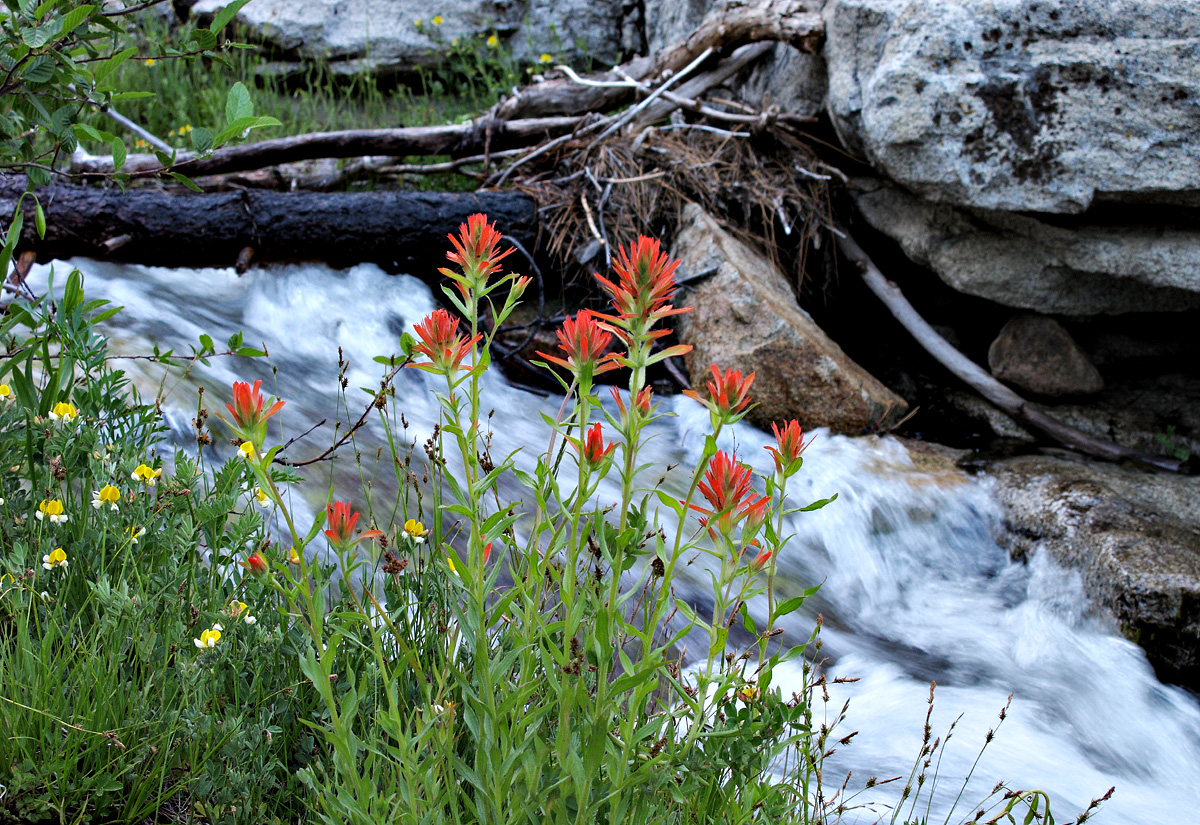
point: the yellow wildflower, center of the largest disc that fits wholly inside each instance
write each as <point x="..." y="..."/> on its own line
<point x="454" y="42"/>
<point x="294" y="556"/>
<point x="140" y="144"/>
<point x="748" y="692"/>
<point x="149" y="61"/>
<point x="415" y="530"/>
<point x="418" y="22"/>
<point x="437" y="20"/>
<point x="545" y="58"/>
<point x="146" y="474"/>
<point x="56" y="558"/>
<point x="135" y="533"/>
<point x="209" y="638"/>
<point x="247" y="449"/>
<point x="184" y="129"/>
<point x="6" y="393"/>
<point x="261" y="498"/>
<point x="238" y="609"/>
<point x="63" y="413"/>
<point x="51" y="509"/>
<point x="493" y="41"/>
<point x="107" y="494"/>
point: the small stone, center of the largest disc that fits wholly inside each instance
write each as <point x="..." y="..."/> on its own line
<point x="1035" y="353"/>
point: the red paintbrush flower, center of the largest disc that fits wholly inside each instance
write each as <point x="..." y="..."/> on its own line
<point x="249" y="421"/>
<point x="441" y="343"/>
<point x="790" y="444"/>
<point x="727" y="488"/>
<point x="729" y="395"/>
<point x="256" y="563"/>
<point x="341" y="520"/>
<point x="645" y="283"/>
<point x="593" y="448"/>
<point x="761" y="560"/>
<point x="584" y="342"/>
<point x="475" y="251"/>
<point x="641" y="402"/>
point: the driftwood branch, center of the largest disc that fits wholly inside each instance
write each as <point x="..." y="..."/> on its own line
<point x="732" y="24"/>
<point x="982" y="382"/>
<point x="456" y="139"/>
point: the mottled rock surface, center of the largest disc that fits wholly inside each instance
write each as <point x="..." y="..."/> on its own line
<point x="1134" y="535"/>
<point x="382" y="35"/>
<point x="1022" y="261"/>
<point x="745" y="317"/>
<point x="1035" y="353"/>
<point x="1038" y="105"/>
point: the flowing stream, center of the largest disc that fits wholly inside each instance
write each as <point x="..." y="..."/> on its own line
<point x="915" y="587"/>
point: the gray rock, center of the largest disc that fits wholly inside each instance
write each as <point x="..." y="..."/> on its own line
<point x="1021" y="261"/>
<point x="1035" y="353"/>
<point x="1037" y="105"/>
<point x="1135" y="537"/>
<point x="745" y="317"/>
<point x="382" y="35"/>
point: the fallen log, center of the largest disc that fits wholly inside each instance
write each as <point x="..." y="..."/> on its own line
<point x="983" y="383"/>
<point x="402" y="231"/>
<point x="730" y="25"/>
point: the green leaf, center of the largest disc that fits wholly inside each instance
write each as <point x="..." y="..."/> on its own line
<point x="132" y="95"/>
<point x="118" y="153"/>
<point x="235" y="340"/>
<point x="238" y="104"/>
<point x="205" y="40"/>
<point x="206" y="343"/>
<point x="202" y="140"/>
<point x="240" y="125"/>
<point x="86" y="132"/>
<point x="39" y="70"/>
<point x="186" y="181"/>
<point x="817" y="505"/>
<point x="222" y="18"/>
<point x="109" y="66"/>
<point x="76" y="16"/>
<point x="251" y="352"/>
<point x="35" y="38"/>
<point x="406" y="344"/>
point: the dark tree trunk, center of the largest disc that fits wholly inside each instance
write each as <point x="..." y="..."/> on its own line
<point x="402" y="231"/>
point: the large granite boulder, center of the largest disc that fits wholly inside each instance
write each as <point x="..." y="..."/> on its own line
<point x="383" y="35"/>
<point x="745" y="317"/>
<point x="1021" y="105"/>
<point x="1020" y="260"/>
<point x="1134" y="535"/>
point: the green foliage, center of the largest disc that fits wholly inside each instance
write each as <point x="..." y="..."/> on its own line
<point x="110" y="712"/>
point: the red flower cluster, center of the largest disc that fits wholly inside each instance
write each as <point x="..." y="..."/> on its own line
<point x="790" y="444"/>
<point x="727" y="488"/>
<point x="641" y="402"/>
<point x="729" y="394"/>
<point x="584" y="341"/>
<point x="593" y="449"/>
<point x="475" y="251"/>
<point x="645" y="283"/>
<point x="249" y="420"/>
<point x="441" y="343"/>
<point x="341" y="520"/>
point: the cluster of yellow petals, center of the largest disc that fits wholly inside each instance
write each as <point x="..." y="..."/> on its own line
<point x="56" y="558"/>
<point x="106" y="495"/>
<point x="51" y="509"/>
<point x="209" y="638"/>
<point x="415" y="530"/>
<point x="146" y="474"/>
<point x="63" y="413"/>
